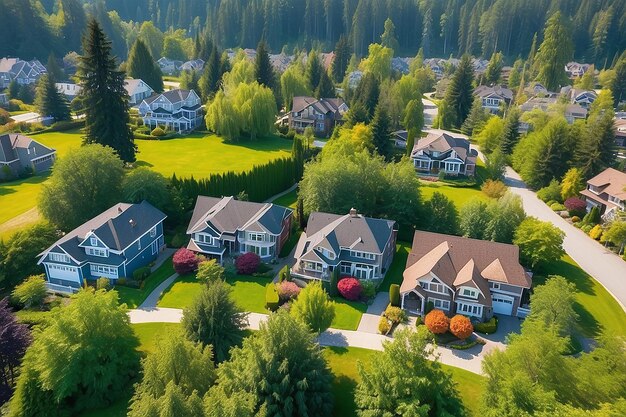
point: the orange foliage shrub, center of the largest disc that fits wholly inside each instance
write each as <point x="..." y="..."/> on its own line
<point x="461" y="327"/>
<point x="437" y="322"/>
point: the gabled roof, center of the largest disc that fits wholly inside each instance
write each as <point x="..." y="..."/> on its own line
<point x="458" y="261"/>
<point x="498" y="91"/>
<point x="323" y="105"/>
<point x="11" y="141"/>
<point x="131" y="84"/>
<point x="229" y="215"/>
<point x="443" y="142"/>
<point x="174" y="96"/>
<point x="610" y="181"/>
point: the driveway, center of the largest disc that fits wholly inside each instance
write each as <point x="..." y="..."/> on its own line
<point x="603" y="265"/>
<point x="430" y="112"/>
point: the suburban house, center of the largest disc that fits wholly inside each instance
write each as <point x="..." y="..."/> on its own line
<point x="441" y="152"/>
<point x="137" y="90"/>
<point x="583" y="98"/>
<point x="169" y="66"/>
<point x="607" y="191"/>
<point x="620" y="132"/>
<point x="493" y="98"/>
<point x="359" y="246"/>
<point x="537" y="89"/>
<point x="322" y="115"/>
<point x="19" y="153"/>
<point x="399" y="138"/>
<point x="111" y="245"/>
<point x="70" y="90"/>
<point x="222" y="227"/>
<point x="179" y="110"/>
<point x="576" y="70"/>
<point x="23" y="72"/>
<point x="476" y="278"/>
<point x="572" y="112"/>
<point x="193" y="65"/>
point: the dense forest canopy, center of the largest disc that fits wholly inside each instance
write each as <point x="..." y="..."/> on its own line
<point x="440" y="27"/>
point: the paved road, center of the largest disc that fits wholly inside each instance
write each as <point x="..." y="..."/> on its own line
<point x="602" y="264"/>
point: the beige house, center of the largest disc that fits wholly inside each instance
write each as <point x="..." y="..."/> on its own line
<point x="439" y="152"/>
<point x="607" y="191"/>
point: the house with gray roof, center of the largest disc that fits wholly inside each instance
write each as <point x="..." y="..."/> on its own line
<point x="193" y="65"/>
<point x="19" y="153"/>
<point x="111" y="245"/>
<point x="361" y="247"/>
<point x="439" y="152"/>
<point x="322" y="115"/>
<point x="458" y="275"/>
<point x="225" y="227"/>
<point x="493" y="97"/>
<point x="179" y="110"/>
<point x="169" y="66"/>
<point x="23" y="72"/>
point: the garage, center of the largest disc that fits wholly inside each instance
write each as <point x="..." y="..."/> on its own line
<point x="502" y="304"/>
<point x="66" y="273"/>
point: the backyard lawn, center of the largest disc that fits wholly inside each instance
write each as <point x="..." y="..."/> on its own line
<point x="133" y="297"/>
<point x="287" y="200"/>
<point x="394" y="275"/>
<point x="17" y="199"/>
<point x="458" y="195"/>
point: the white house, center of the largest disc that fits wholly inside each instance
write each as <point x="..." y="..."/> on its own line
<point x="179" y="110"/>
<point x="137" y="90"/>
<point x="493" y="97"/>
<point x="70" y="90"/>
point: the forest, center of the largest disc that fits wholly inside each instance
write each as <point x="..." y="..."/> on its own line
<point x="440" y="27"/>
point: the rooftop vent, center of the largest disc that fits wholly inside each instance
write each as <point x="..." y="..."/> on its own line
<point x="132" y="223"/>
<point x="353" y="212"/>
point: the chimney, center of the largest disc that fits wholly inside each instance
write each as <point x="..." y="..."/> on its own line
<point x="119" y="210"/>
<point x="132" y="223"/>
<point x="353" y="212"/>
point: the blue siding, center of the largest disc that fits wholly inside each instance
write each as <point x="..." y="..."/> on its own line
<point x="137" y="257"/>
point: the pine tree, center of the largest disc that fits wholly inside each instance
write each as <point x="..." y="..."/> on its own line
<point x="388" y="38"/>
<point x="555" y="51"/>
<point x="618" y="86"/>
<point x="104" y="95"/>
<point x="476" y="118"/>
<point x="510" y="135"/>
<point x="381" y="132"/>
<point x="209" y="80"/>
<point x="50" y="101"/>
<point x="413" y="122"/>
<point x="54" y="69"/>
<point x="494" y="69"/>
<point x="459" y="95"/>
<point x="263" y="70"/>
<point x="314" y="70"/>
<point x="597" y="149"/>
<point x="14" y="90"/>
<point x="367" y="93"/>
<point x="141" y="65"/>
<point x="325" y="88"/>
<point x="341" y="59"/>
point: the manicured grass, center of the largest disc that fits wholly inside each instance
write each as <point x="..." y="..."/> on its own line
<point x="61" y="141"/>
<point x="133" y="297"/>
<point x="394" y="275"/>
<point x="347" y="314"/>
<point x="150" y="333"/>
<point x="17" y="197"/>
<point x="597" y="309"/>
<point x="458" y="195"/>
<point x="181" y="293"/>
<point x="288" y="200"/>
<point x="342" y="362"/>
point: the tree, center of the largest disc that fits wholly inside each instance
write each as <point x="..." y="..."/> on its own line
<point x="142" y="65"/>
<point x="173" y="48"/>
<point x="388" y="38"/>
<point x="144" y="184"/>
<point x="459" y="95"/>
<point x="152" y="37"/>
<point x="476" y="119"/>
<point x="32" y="292"/>
<point x="539" y="242"/>
<point x="357" y="114"/>
<point x="314" y="308"/>
<point x="461" y="326"/>
<point x="325" y="88"/>
<point x="491" y="135"/>
<point x="597" y="149"/>
<point x="378" y="61"/>
<point x="189" y="80"/>
<point x="214" y="319"/>
<point x="104" y="96"/>
<point x="474" y="218"/>
<point x="494" y="69"/>
<point x="280" y="368"/>
<point x="419" y="387"/>
<point x="572" y="184"/>
<point x="14" y="90"/>
<point x="341" y="59"/>
<point x="13" y="343"/>
<point x="53" y="69"/>
<point x="209" y="81"/>
<point x="185" y="261"/>
<point x="210" y="271"/>
<point x="293" y="83"/>
<point x="495" y="166"/>
<point x="587" y="81"/>
<point x="510" y="134"/>
<point x="314" y="70"/>
<point x="516" y="74"/>
<point x="553" y="304"/>
<point x="442" y="215"/>
<point x="83" y="184"/>
<point x="177" y="363"/>
<point x="413" y="122"/>
<point x="50" y="101"/>
<point x="506" y="215"/>
<point x="66" y="369"/>
<point x="381" y="132"/>
<point x="263" y="70"/>
<point x="555" y="51"/>
<point x="618" y="82"/>
<point x="367" y="93"/>
<point x="616" y="234"/>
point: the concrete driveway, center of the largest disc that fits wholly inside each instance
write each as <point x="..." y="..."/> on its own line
<point x="605" y="266"/>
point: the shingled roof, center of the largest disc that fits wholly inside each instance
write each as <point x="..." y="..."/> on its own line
<point x="443" y="142"/>
<point x="11" y="141"/>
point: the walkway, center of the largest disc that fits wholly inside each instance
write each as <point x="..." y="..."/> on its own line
<point x="603" y="265"/>
<point x="282" y="193"/>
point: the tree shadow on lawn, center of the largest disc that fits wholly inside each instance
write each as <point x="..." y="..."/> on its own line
<point x="265" y="143"/>
<point x="10" y="187"/>
<point x="140" y="163"/>
<point x="343" y="390"/>
<point x="572" y="273"/>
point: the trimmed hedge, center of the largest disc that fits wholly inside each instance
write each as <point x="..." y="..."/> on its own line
<point x="272" y="300"/>
<point x="394" y="295"/>
<point x="384" y="327"/>
<point x="487" y="327"/>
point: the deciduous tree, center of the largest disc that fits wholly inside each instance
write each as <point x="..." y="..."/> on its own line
<point x="314" y="308"/>
<point x="144" y="184"/>
<point x="539" y="242"/>
<point x="474" y="218"/>
<point x="553" y="304"/>
<point x="13" y="343"/>
<point x="442" y="216"/>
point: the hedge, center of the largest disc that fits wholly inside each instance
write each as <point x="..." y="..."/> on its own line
<point x="394" y="295"/>
<point x="487" y="327"/>
<point x="271" y="297"/>
<point x="284" y="274"/>
<point x="384" y="326"/>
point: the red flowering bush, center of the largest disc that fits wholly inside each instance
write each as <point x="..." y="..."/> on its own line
<point x="461" y="327"/>
<point x="350" y="288"/>
<point x="185" y="261"/>
<point x="576" y="206"/>
<point x="437" y="322"/>
<point x="288" y="290"/>
<point x="248" y="263"/>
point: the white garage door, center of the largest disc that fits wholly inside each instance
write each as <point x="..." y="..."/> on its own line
<point x="502" y="304"/>
<point x="68" y="273"/>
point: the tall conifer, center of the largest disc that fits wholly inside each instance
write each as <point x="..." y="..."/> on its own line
<point x="141" y="65"/>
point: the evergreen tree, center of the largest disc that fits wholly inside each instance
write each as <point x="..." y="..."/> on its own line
<point x="597" y="149"/>
<point x="14" y="90"/>
<point x="413" y="122"/>
<point x="357" y="114"/>
<point x="618" y="86"/>
<point x="54" y="69"/>
<point x="263" y="70"/>
<point x="26" y="93"/>
<point x="476" y="119"/>
<point x="325" y="89"/>
<point x="510" y="135"/>
<point x="314" y="69"/>
<point x="104" y="95"/>
<point x="555" y="51"/>
<point x="141" y="65"/>
<point x="388" y="38"/>
<point x="443" y="215"/>
<point x="367" y="93"/>
<point x="494" y="69"/>
<point x="459" y="95"/>
<point x="209" y="81"/>
<point x="341" y="59"/>
<point x="50" y="101"/>
<point x="381" y="132"/>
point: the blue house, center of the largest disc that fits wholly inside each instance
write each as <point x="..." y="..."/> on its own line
<point x="111" y="245"/>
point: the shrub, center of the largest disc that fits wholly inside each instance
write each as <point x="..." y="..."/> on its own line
<point x="429" y="307"/>
<point x="418" y="321"/>
<point x="350" y="288"/>
<point x="334" y="280"/>
<point x="368" y="290"/>
<point x="596" y="232"/>
<point x="287" y="290"/>
<point x="557" y="207"/>
<point x="384" y="326"/>
<point x="284" y="274"/>
<point x="575" y="219"/>
<point x="550" y="202"/>
<point x="141" y="273"/>
<point x="576" y="206"/>
<point x="586" y="228"/>
<point x="394" y="295"/>
<point x="158" y="132"/>
<point x="437" y="322"/>
<point x="5" y="117"/>
<point x="178" y="240"/>
<point x="395" y="314"/>
<point x="487" y="327"/>
<point x="185" y="261"/>
<point x="494" y="188"/>
<point x="103" y="283"/>
<point x="248" y="263"/>
<point x="31" y="292"/>
<point x="461" y="327"/>
<point x="593" y="217"/>
<point x="551" y="192"/>
<point x="271" y="297"/>
<point x="210" y="271"/>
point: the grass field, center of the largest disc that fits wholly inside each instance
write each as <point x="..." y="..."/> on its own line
<point x="394" y="275"/>
<point x="347" y="314"/>
<point x="133" y="297"/>
<point x="458" y="195"/>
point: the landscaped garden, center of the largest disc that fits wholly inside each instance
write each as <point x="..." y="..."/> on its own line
<point x="133" y="297"/>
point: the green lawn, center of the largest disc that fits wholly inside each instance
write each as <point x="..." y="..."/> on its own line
<point x="458" y="195"/>
<point x="394" y="275"/>
<point x="288" y="200"/>
<point x="133" y="297"/>
<point x="342" y="362"/>
<point x="347" y="314"/>
<point x="597" y="309"/>
<point x="17" y="197"/>
<point x="150" y="333"/>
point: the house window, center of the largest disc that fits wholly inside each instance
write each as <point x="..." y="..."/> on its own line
<point x="470" y="309"/>
<point x="312" y="266"/>
<point x="363" y="255"/>
<point x="153" y="232"/>
<point x="97" y="252"/>
<point x="59" y="257"/>
<point x="468" y="292"/>
<point x="494" y="285"/>
<point x="346" y="268"/>
<point x="440" y="304"/>
<point x="103" y="269"/>
<point x="93" y="241"/>
<point x="256" y="237"/>
<point x="433" y="287"/>
<point x="204" y="239"/>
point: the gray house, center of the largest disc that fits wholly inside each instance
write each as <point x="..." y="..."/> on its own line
<point x="359" y="246"/>
<point x="19" y="153"/>
<point x="222" y="227"/>
<point x="179" y="110"/>
<point x="439" y="152"/>
<point x="23" y="72"/>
